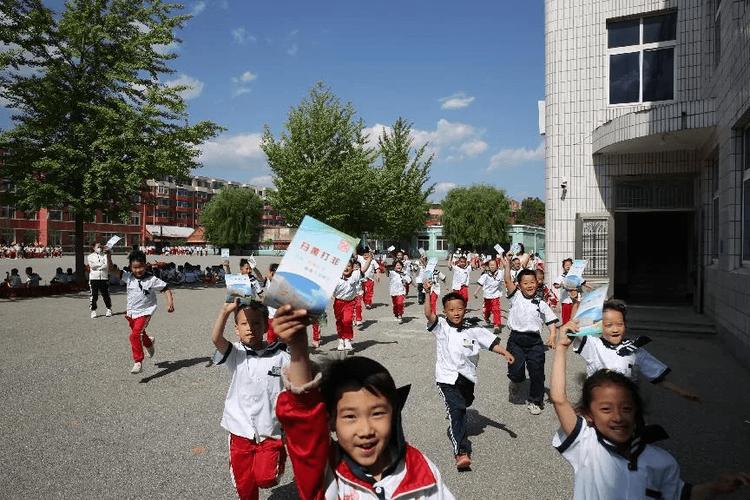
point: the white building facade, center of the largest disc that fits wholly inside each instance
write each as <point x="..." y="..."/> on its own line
<point x="647" y="130"/>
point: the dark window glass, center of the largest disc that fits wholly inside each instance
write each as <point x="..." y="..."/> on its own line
<point x="715" y="230"/>
<point x="660" y="28"/>
<point x="658" y="75"/>
<point x="624" y="33"/>
<point x="747" y="148"/>
<point x="746" y="220"/>
<point x="717" y="40"/>
<point x="624" y="78"/>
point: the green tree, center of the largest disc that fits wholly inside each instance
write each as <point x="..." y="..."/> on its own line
<point x="232" y="217"/>
<point x="531" y="212"/>
<point x="92" y="121"/>
<point x="321" y="164"/>
<point x="475" y="216"/>
<point x="400" y="196"/>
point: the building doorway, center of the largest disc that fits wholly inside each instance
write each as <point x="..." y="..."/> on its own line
<point x="655" y="256"/>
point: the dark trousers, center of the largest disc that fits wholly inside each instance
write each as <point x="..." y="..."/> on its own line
<point x="528" y="350"/>
<point x="96" y="286"/>
<point x="458" y="397"/>
<point x="420" y="293"/>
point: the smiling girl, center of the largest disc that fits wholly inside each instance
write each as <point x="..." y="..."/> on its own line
<point x="358" y="400"/>
<point x="609" y="446"/>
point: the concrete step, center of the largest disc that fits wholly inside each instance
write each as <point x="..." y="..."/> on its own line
<point x="673" y="319"/>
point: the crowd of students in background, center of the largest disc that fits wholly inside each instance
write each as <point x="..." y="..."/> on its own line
<point x="16" y="250"/>
<point x="198" y="251"/>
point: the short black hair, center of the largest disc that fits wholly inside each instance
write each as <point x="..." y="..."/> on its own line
<point x="137" y="256"/>
<point x="567" y="260"/>
<point x="605" y="377"/>
<point x="252" y="305"/>
<point x="453" y="296"/>
<point x="356" y="373"/>
<point x="244" y="262"/>
<point x="273" y="267"/>
<point x="616" y="305"/>
<point x="525" y="272"/>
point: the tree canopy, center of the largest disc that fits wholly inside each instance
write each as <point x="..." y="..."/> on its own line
<point x="232" y="217"/>
<point x="323" y="166"/>
<point x="531" y="212"/>
<point x="92" y="120"/>
<point x="475" y="216"/>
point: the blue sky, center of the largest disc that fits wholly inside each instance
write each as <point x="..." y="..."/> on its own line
<point x="468" y="76"/>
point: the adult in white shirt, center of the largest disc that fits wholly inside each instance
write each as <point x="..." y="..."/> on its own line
<point x="99" y="262"/>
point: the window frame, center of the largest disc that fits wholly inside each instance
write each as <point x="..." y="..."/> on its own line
<point x="745" y="175"/>
<point x="423" y="242"/>
<point x="716" y="52"/>
<point x="714" y="250"/>
<point x="640" y="48"/>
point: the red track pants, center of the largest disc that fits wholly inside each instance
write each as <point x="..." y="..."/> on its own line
<point x="433" y="302"/>
<point x="344" y="312"/>
<point x="398" y="304"/>
<point x="138" y="336"/>
<point x="270" y="334"/>
<point x="492" y="307"/>
<point x="369" y="287"/>
<point x="358" y="308"/>
<point x="464" y="292"/>
<point x="255" y="465"/>
<point x="567" y="309"/>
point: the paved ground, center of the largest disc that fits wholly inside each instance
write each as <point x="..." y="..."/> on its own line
<point x="75" y="423"/>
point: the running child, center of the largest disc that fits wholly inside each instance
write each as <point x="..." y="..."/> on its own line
<point x="256" y="452"/>
<point x="567" y="297"/>
<point x="610" y="447"/>
<point x="398" y="280"/>
<point x="458" y="347"/>
<point x="616" y="352"/>
<point x="358" y="399"/>
<point x="344" y="295"/>
<point x="461" y="276"/>
<point x="141" y="286"/>
<point x="360" y="293"/>
<point x="371" y="272"/>
<point x="270" y="335"/>
<point x="421" y="265"/>
<point x="544" y="292"/>
<point x="525" y="319"/>
<point x="434" y="290"/>
<point x="491" y="283"/>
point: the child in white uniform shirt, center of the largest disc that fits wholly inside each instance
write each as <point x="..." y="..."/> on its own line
<point x="434" y="291"/>
<point x="609" y="446"/>
<point x="142" y="287"/>
<point x="398" y="280"/>
<point x="256" y="452"/>
<point x="458" y="347"/>
<point x="343" y="306"/>
<point x="461" y="276"/>
<point x="525" y="319"/>
<point x="491" y="283"/>
<point x="613" y="351"/>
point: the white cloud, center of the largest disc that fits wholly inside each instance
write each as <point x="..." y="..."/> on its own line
<point x="241" y="91"/>
<point x="169" y="48"/>
<point x="441" y="189"/>
<point x="473" y="147"/>
<point x="262" y="181"/>
<point x="459" y="100"/>
<point x="517" y="156"/>
<point x="233" y="151"/>
<point x="241" y="36"/>
<point x="195" y="86"/>
<point x="292" y="51"/>
<point x="198" y="8"/>
<point x="241" y="83"/>
<point x="454" y="140"/>
<point x="247" y="76"/>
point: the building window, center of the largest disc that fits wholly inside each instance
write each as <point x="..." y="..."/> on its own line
<point x="55" y="215"/>
<point x="594" y="238"/>
<point x="715" y="205"/>
<point x="642" y="59"/>
<point x="746" y="195"/>
<point x="423" y="242"/>
<point x="717" y="33"/>
<point x="7" y="212"/>
<point x="441" y="244"/>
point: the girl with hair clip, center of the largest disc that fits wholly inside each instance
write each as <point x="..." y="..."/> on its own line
<point x="610" y="447"/>
<point x="358" y="400"/>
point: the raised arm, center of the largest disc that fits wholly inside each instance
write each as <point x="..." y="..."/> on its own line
<point x="558" y="396"/>
<point x="510" y="287"/>
<point x="170" y="299"/>
<point x="290" y="325"/>
<point x="217" y="333"/>
<point x="431" y="316"/>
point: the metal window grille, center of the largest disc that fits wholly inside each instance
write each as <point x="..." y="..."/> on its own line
<point x="594" y="246"/>
<point x="675" y="193"/>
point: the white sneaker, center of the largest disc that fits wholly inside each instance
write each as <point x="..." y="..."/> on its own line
<point x="150" y="350"/>
<point x="109" y="313"/>
<point x="533" y="408"/>
<point x="93" y="314"/>
<point x="348" y="345"/>
<point x="401" y="320"/>
<point x="340" y="347"/>
<point x="136" y="368"/>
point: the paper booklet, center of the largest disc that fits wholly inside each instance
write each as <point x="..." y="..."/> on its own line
<point x="224" y="253"/>
<point x="422" y="252"/>
<point x="574" y="278"/>
<point x="112" y="242"/>
<point x="589" y="313"/>
<point x="514" y="248"/>
<point x="391" y="248"/>
<point x="430" y="267"/>
<point x="238" y="285"/>
<point x="500" y="250"/>
<point x="311" y="267"/>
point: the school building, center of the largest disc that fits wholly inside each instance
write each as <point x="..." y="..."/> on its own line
<point x="646" y="120"/>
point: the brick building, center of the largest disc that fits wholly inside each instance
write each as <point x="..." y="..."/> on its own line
<point x="647" y="128"/>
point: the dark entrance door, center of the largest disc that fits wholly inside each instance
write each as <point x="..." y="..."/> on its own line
<point x="654" y="257"/>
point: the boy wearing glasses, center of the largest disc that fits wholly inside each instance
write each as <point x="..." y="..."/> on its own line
<point x="142" y="286"/>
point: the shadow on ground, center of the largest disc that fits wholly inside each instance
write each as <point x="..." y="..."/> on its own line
<point x="168" y="367"/>
<point x="477" y="423"/>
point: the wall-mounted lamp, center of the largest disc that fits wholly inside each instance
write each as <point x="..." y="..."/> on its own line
<point x="564" y="187"/>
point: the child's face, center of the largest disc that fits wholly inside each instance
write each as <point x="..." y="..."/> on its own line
<point x="399" y="255"/>
<point x="612" y="412"/>
<point x="566" y="265"/>
<point x="516" y="264"/>
<point x="455" y="310"/>
<point x="462" y="262"/>
<point x="528" y="285"/>
<point x="613" y="326"/>
<point x="398" y="267"/>
<point x="245" y="269"/>
<point x="363" y="428"/>
<point x="138" y="268"/>
<point x="492" y="265"/>
<point x="540" y="277"/>
<point x="348" y="270"/>
<point x="250" y="325"/>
